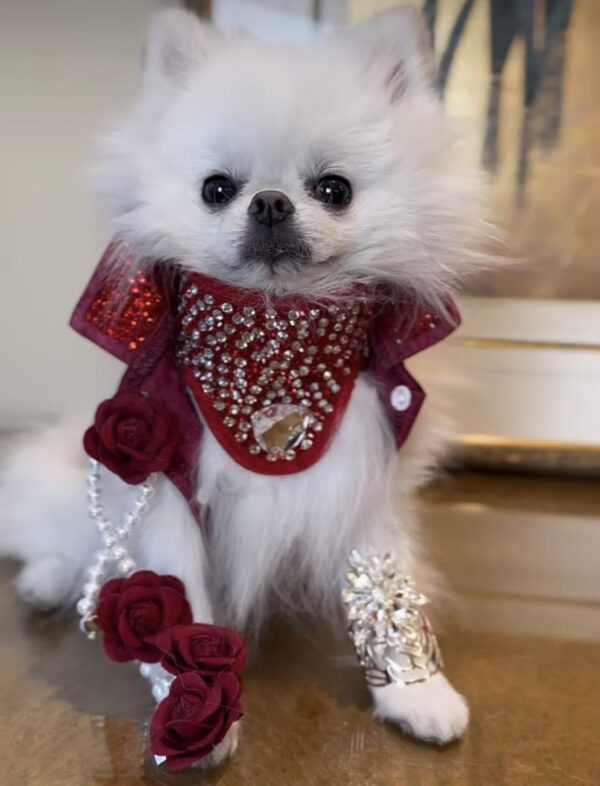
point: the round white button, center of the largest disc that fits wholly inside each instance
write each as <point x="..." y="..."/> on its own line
<point x="401" y="398"/>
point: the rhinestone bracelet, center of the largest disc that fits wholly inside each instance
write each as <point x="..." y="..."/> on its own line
<point x="392" y="636"/>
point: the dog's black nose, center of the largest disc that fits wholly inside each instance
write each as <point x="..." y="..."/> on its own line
<point x="270" y="207"/>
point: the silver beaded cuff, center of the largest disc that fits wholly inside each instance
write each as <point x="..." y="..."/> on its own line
<point x="392" y="636"/>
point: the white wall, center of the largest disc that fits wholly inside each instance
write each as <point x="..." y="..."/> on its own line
<point x="66" y="67"/>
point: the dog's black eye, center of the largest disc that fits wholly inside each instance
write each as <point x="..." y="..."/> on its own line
<point x="333" y="191"/>
<point x="218" y="190"/>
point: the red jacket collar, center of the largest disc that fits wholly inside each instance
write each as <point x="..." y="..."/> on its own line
<point x="129" y="308"/>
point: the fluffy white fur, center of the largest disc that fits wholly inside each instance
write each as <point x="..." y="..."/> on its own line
<point x="275" y="117"/>
<point x="359" y="105"/>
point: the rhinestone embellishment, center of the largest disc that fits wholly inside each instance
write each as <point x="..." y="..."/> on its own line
<point x="273" y="372"/>
<point x="126" y="314"/>
<point x="392" y="636"/>
<point x="281" y="427"/>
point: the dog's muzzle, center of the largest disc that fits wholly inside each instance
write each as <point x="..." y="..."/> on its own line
<point x="272" y="237"/>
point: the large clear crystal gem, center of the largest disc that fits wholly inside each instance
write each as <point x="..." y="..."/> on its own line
<point x="280" y="427"/>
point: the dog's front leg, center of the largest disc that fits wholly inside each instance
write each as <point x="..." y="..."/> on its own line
<point x="397" y="648"/>
<point x="171" y="541"/>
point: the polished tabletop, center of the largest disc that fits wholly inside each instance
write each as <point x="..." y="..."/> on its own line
<point x="520" y="634"/>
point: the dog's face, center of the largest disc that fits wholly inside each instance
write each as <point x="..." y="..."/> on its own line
<point x="291" y="169"/>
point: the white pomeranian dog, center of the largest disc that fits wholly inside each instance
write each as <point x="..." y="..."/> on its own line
<point x="287" y="170"/>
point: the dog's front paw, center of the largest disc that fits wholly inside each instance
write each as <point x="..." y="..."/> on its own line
<point x="45" y="582"/>
<point x="223" y="751"/>
<point x="431" y="711"/>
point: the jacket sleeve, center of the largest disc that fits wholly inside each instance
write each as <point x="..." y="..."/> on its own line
<point x="127" y="309"/>
<point x="124" y="307"/>
<point x="399" y="331"/>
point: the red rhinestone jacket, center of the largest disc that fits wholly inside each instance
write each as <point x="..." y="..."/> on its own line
<point x="271" y="377"/>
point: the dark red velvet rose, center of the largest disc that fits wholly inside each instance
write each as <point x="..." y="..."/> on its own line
<point x="133" y="611"/>
<point x="205" y="649"/>
<point x="132" y="436"/>
<point x="195" y="717"/>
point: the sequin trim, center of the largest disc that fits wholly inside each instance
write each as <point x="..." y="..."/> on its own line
<point x="129" y="304"/>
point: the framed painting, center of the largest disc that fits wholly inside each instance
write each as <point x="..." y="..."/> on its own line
<point x="521" y="77"/>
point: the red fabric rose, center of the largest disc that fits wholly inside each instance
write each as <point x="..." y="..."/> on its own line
<point x="195" y="717"/>
<point x="132" y="436"/>
<point x="205" y="649"/>
<point x="133" y="611"/>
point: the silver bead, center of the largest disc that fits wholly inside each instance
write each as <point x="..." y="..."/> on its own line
<point x="90" y="588"/>
<point x="127" y="566"/>
<point x="159" y="692"/>
<point x="118" y="552"/>
<point x="83" y="607"/>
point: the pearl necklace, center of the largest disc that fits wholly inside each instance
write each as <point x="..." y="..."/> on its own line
<point x="113" y="551"/>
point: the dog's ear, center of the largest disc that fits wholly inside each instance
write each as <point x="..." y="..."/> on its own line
<point x="177" y="44"/>
<point x="395" y="48"/>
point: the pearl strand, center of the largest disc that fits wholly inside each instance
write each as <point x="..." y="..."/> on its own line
<point x="159" y="679"/>
<point x="113" y="550"/>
